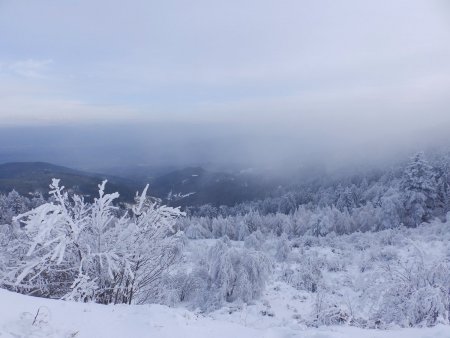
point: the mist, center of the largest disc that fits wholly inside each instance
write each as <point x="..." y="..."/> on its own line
<point x="232" y="86"/>
<point x="282" y="145"/>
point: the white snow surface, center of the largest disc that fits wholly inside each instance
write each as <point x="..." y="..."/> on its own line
<point x="26" y="316"/>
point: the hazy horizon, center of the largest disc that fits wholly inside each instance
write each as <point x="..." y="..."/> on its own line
<point x="257" y="83"/>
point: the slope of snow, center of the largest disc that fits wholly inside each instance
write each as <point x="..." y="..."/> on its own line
<point x="25" y="316"/>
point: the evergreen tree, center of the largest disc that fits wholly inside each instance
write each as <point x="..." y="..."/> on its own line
<point x="419" y="189"/>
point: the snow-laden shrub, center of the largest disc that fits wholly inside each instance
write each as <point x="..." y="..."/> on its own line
<point x="6" y="237"/>
<point x="417" y="294"/>
<point x="328" y="311"/>
<point x="283" y="248"/>
<point x="307" y="276"/>
<point x="306" y="241"/>
<point x="237" y="274"/>
<point x="224" y="274"/>
<point x="183" y="287"/>
<point x="428" y="306"/>
<point x="366" y="263"/>
<point x="335" y="264"/>
<point x="254" y="241"/>
<point x="195" y="230"/>
<point x="384" y="255"/>
<point x="223" y="226"/>
<point x="82" y="251"/>
<point x="392" y="237"/>
<point x="243" y="231"/>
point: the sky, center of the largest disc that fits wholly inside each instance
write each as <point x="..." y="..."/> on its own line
<point x="221" y="81"/>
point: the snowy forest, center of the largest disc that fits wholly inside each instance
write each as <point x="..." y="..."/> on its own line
<point x="370" y="250"/>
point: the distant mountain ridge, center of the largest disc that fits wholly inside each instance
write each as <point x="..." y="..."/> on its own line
<point x="191" y="186"/>
<point x="29" y="177"/>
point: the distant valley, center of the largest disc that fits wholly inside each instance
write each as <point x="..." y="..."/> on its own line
<point x="190" y="186"/>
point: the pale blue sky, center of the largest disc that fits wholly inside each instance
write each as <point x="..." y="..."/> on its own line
<point x="351" y="67"/>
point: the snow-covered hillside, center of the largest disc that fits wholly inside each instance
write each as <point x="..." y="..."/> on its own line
<point x="25" y="316"/>
<point x="371" y="258"/>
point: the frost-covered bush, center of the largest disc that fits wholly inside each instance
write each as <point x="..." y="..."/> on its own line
<point x="328" y="311"/>
<point x="183" y="287"/>
<point x="335" y="264"/>
<point x="254" y="241"/>
<point x="237" y="274"/>
<point x="417" y="294"/>
<point x="222" y="226"/>
<point x="6" y="238"/>
<point x="306" y="276"/>
<point x="76" y="250"/>
<point x="196" y="230"/>
<point x="395" y="277"/>
<point x="283" y="248"/>
<point x="223" y="274"/>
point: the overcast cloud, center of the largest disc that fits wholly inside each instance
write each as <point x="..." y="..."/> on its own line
<point x="228" y="80"/>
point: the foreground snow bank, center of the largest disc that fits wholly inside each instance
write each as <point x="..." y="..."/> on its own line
<point x="24" y="316"/>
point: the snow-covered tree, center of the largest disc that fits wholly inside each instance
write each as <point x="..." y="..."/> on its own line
<point x="283" y="248"/>
<point x="418" y="186"/>
<point x="13" y="204"/>
<point x="320" y="223"/>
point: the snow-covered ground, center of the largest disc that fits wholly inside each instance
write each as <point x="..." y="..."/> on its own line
<point x="25" y="316"/>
